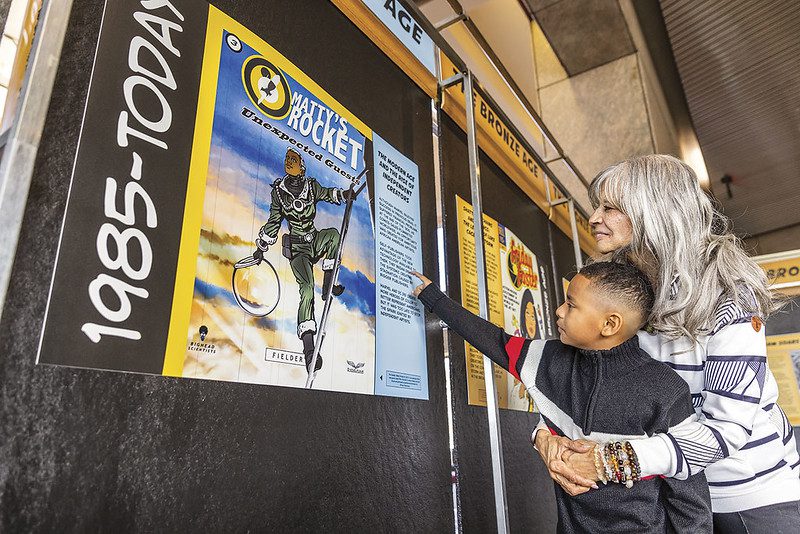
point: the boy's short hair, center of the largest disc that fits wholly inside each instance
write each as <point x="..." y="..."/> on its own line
<point x="623" y="283"/>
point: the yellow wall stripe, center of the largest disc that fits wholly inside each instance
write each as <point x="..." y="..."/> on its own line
<point x="195" y="194"/>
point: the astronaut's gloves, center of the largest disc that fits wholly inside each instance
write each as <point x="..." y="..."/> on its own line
<point x="263" y="241"/>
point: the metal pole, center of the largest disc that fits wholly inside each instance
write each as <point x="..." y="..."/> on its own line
<point x="440" y="26"/>
<point x="495" y="439"/>
<point x="557" y="286"/>
<point x="16" y="170"/>
<point x="441" y="247"/>
<point x="576" y="244"/>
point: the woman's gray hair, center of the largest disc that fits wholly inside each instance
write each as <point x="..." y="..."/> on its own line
<point x="682" y="243"/>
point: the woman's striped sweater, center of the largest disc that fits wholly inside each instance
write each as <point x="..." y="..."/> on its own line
<point x="741" y="437"/>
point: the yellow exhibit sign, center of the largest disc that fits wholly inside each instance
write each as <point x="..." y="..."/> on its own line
<point x="518" y="301"/>
<point x="783" y="357"/>
<point x="476" y="388"/>
<point x="782" y="272"/>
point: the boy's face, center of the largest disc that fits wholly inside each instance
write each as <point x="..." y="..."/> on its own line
<point x="582" y="316"/>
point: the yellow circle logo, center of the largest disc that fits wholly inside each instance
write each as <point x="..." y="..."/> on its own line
<point x="266" y="86"/>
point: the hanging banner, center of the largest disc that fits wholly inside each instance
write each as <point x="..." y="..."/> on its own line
<point x="402" y="24"/>
<point x="499" y="141"/>
<point x="518" y="300"/>
<point x="783" y="358"/>
<point x="231" y="206"/>
<point x="396" y="31"/>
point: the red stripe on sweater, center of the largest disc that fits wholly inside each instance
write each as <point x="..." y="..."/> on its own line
<point x="513" y="349"/>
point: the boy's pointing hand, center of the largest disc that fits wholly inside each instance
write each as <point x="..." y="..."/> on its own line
<point x="425" y="283"/>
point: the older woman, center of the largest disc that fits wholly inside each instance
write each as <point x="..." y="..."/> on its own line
<point x="707" y="325"/>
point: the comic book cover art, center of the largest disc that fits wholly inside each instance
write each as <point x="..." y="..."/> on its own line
<point x="523" y="305"/>
<point x="278" y="201"/>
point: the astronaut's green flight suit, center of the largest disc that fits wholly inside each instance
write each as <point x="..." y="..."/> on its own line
<point x="308" y="245"/>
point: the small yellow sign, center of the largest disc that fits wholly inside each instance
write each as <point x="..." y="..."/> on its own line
<point x="783" y="358"/>
<point x="786" y="271"/>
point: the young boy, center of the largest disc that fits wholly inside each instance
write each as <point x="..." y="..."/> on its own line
<point x="596" y="383"/>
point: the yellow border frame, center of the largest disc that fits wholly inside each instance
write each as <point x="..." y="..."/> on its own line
<point x="175" y="353"/>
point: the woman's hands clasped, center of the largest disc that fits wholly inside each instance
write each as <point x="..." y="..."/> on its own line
<point x="569" y="462"/>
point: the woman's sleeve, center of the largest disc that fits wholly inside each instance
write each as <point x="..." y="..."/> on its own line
<point x="735" y="372"/>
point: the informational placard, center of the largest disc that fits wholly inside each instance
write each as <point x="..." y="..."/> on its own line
<point x="476" y="389"/>
<point x="783" y="358"/>
<point x="400" y="324"/>
<point x="244" y="227"/>
<point x="518" y="300"/>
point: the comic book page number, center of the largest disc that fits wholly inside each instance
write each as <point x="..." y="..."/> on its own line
<point x="233" y="43"/>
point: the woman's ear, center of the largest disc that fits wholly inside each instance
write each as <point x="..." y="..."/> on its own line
<point x="612" y="325"/>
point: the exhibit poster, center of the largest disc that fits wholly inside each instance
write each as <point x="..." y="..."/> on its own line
<point x="518" y="300"/>
<point x="783" y="358"/>
<point x="243" y="224"/>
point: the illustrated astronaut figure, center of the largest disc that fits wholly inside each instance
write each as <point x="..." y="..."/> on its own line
<point x="294" y="198"/>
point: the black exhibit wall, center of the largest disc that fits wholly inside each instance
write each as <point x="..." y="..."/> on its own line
<point x="84" y="450"/>
<point x="530" y="496"/>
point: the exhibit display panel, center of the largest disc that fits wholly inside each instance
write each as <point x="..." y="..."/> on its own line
<point x="519" y="301"/>
<point x="783" y="346"/>
<point x="269" y="145"/>
<point x="163" y="454"/>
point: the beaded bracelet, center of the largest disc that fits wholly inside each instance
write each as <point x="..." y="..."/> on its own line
<point x="634" y="461"/>
<point x="608" y="466"/>
<point x="621" y="465"/>
<point x="624" y="463"/>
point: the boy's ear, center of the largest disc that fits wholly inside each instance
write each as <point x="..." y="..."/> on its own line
<point x="612" y="325"/>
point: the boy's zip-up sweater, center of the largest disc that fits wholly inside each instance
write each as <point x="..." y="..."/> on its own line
<point x="604" y="395"/>
<point x="740" y="438"/>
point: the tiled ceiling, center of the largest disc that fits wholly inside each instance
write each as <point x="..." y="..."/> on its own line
<point x="739" y="63"/>
<point x="583" y="33"/>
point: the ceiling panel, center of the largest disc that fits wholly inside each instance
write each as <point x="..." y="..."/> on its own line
<point x="739" y="62"/>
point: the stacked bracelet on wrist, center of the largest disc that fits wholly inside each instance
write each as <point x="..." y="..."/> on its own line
<point x="619" y="463"/>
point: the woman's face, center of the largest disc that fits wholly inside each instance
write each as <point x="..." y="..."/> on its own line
<point x="530" y="320"/>
<point x="611" y="228"/>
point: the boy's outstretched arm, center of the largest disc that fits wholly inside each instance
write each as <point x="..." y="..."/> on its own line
<point x="481" y="334"/>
